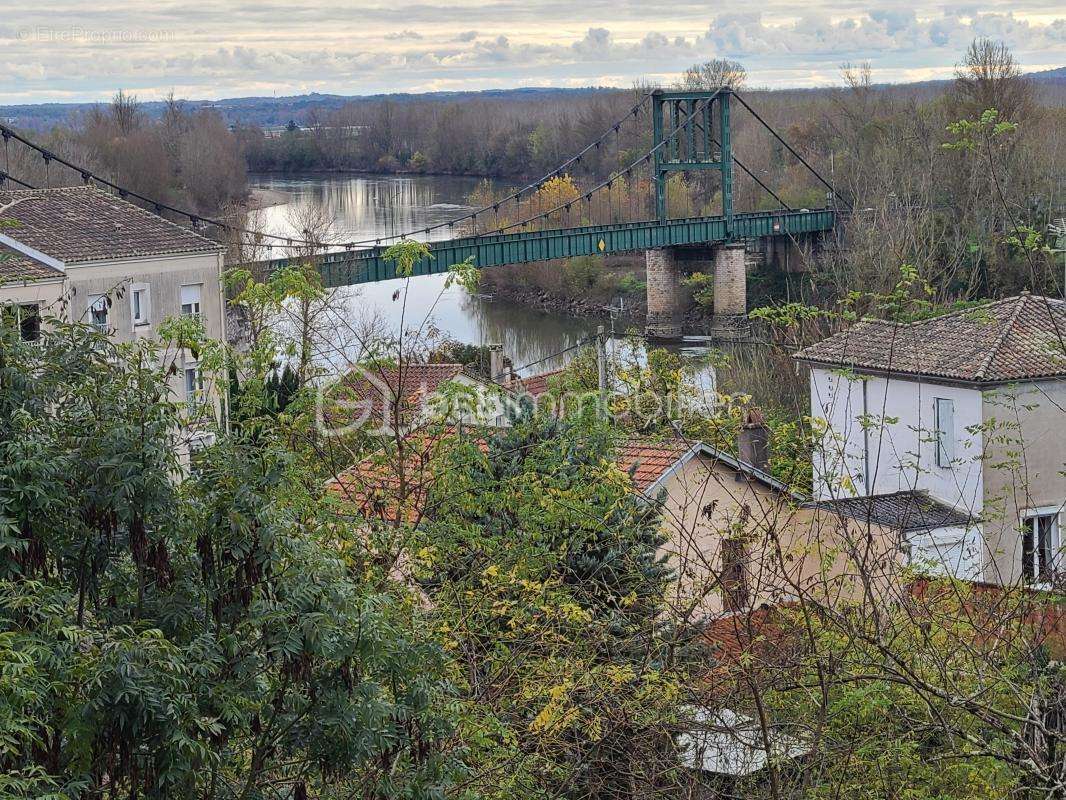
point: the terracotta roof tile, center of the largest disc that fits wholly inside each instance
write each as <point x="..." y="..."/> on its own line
<point x="77" y="224"/>
<point x="391" y="389"/>
<point x="17" y="266"/>
<point x="535" y="385"/>
<point x="650" y="459"/>
<point x="372" y="485"/>
<point x="1019" y="338"/>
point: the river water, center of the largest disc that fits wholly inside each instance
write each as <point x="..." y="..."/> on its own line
<point x="366" y="207"/>
<point x="369" y="206"/>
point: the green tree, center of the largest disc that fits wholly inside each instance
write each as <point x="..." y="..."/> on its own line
<point x="187" y="638"/>
<point x="545" y="580"/>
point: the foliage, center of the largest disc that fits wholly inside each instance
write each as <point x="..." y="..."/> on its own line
<point x="196" y="638"/>
<point x="545" y="582"/>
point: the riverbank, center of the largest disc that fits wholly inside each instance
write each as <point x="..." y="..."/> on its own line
<point x="260" y="197"/>
<point x="632" y="310"/>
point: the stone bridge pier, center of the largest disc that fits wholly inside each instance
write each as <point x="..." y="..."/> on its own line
<point x="665" y="267"/>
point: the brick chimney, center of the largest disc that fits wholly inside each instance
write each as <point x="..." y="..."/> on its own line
<point x="497" y="371"/>
<point x="753" y="441"/>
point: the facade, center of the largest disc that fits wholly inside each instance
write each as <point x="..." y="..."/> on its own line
<point x="966" y="408"/>
<point x="83" y="255"/>
<point x="736" y="537"/>
<point x="739" y="539"/>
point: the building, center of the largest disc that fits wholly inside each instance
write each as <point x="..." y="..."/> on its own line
<point x="402" y="398"/>
<point x="963" y="415"/>
<point x="83" y="255"/>
<point x="735" y="536"/>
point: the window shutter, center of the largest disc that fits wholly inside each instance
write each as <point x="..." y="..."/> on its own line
<point x="190" y="294"/>
<point x="945" y="432"/>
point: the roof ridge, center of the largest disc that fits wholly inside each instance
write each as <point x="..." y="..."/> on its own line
<point x="986" y="362"/>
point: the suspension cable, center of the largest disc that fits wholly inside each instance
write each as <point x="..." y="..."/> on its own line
<point x="792" y="150"/>
<point x="614" y="176"/>
<point x="6" y="176"/>
<point x="290" y="242"/>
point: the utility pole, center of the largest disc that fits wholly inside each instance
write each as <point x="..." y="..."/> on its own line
<point x="601" y="366"/>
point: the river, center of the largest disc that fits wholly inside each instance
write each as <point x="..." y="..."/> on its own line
<point x="369" y="206"/>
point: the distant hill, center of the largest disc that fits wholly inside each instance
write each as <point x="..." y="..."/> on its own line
<point x="275" y="111"/>
<point x="1057" y="75"/>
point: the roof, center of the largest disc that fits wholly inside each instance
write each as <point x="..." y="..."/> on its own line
<point x="651" y="459"/>
<point x="1019" y="338"/>
<point x="535" y="385"/>
<point x="906" y="511"/>
<point x="373" y="484"/>
<point x="17" y="266"/>
<point x="388" y="387"/>
<point x="82" y="223"/>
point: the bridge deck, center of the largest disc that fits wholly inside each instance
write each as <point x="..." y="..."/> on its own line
<point x="344" y="268"/>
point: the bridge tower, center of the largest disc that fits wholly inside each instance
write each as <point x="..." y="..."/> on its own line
<point x="691" y="131"/>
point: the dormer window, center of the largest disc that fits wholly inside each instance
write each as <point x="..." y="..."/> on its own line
<point x="944" y="413"/>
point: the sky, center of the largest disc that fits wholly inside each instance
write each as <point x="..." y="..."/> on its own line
<point x="61" y="51"/>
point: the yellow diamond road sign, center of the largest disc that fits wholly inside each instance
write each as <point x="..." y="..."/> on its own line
<point x="602" y="245"/>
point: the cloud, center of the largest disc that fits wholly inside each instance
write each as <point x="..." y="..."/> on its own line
<point x="211" y="49"/>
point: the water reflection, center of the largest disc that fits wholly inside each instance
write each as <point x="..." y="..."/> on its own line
<point x="367" y="207"/>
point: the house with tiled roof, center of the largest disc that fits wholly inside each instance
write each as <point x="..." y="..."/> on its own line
<point x="952" y="430"/>
<point x="390" y="397"/>
<point x="82" y="254"/>
<point x="735" y="535"/>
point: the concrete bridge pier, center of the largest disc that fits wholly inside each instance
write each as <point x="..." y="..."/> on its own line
<point x="730" y="292"/>
<point x="664" y="294"/>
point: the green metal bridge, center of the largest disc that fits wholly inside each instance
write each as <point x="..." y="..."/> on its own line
<point x="691" y="132"/>
<point x="344" y="268"/>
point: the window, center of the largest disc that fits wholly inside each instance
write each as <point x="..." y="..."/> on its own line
<point x="28" y="319"/>
<point x="1040" y="545"/>
<point x="98" y="308"/>
<point x="140" y="304"/>
<point x="734" y="579"/>
<point x="944" y="411"/>
<point x="194" y="386"/>
<point x="190" y="299"/>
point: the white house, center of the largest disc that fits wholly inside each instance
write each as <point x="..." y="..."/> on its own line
<point x="80" y="254"/>
<point x="964" y="417"/>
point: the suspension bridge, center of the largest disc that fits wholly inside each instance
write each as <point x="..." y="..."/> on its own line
<point x="627" y="212"/>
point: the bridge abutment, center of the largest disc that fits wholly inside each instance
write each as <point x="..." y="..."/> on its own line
<point x="664" y="294"/>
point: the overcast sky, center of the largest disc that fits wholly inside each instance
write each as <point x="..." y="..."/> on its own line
<point x="56" y="50"/>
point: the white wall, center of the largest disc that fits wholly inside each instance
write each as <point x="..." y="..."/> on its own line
<point x="165" y="275"/>
<point x="959" y="552"/>
<point x="896" y="446"/>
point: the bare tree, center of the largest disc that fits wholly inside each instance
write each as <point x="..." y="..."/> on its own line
<point x="713" y="74"/>
<point x="989" y="77"/>
<point x="126" y="112"/>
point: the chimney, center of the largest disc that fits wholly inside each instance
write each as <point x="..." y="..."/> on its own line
<point x="753" y="441"/>
<point x="497" y="371"/>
